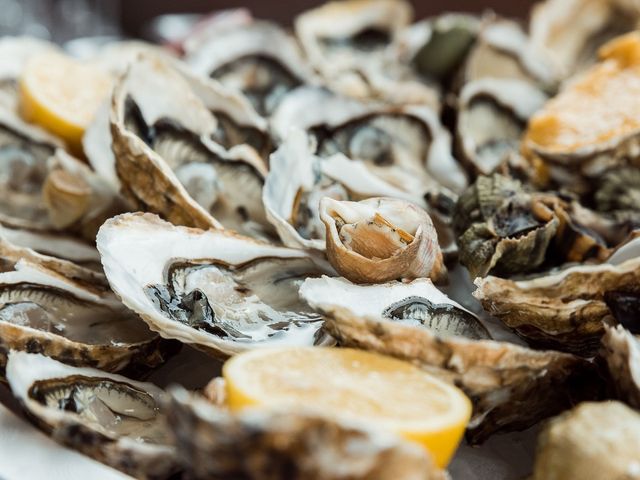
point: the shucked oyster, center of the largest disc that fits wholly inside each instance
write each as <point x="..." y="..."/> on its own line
<point x="258" y="58"/>
<point x="511" y="387"/>
<point x="212" y="443"/>
<point x="406" y="147"/>
<point x="108" y="417"/>
<point x="381" y="239"/>
<point x="567" y="309"/>
<point x="167" y="161"/>
<point x="621" y="350"/>
<point x="594" y="440"/>
<point x="219" y="291"/>
<point x="591" y="125"/>
<point x="572" y="31"/>
<point x="298" y="179"/>
<point x="492" y="116"/>
<point x="54" y="307"/>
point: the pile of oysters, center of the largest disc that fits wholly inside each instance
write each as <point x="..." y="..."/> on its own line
<point x="461" y="192"/>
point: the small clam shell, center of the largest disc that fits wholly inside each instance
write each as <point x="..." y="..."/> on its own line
<point x="381" y="239"/>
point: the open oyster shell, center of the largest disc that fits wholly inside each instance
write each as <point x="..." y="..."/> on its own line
<point x="167" y="161"/>
<point x="511" y="387"/>
<point x="503" y="50"/>
<point x="55" y="307"/>
<point x="567" y="309"/>
<point x="492" y="116"/>
<point x="217" y="290"/>
<point x="260" y="445"/>
<point x="594" y="440"/>
<point x="621" y="351"/>
<point x="406" y="147"/>
<point x="381" y="239"/>
<point x="572" y="31"/>
<point x="258" y="58"/>
<point x="115" y="420"/>
<point x="298" y="178"/>
<point x="590" y="127"/>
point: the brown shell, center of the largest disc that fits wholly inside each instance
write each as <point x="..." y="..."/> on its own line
<point x="261" y="445"/>
<point x="567" y="310"/>
<point x="511" y="387"/>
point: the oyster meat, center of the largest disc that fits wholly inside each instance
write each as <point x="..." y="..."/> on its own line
<point x="257" y="58"/>
<point x="511" y="387"/>
<point x="217" y="290"/>
<point x="212" y="443"/>
<point x="167" y="161"/>
<point x="594" y="440"/>
<point x="381" y="239"/>
<point x="115" y="420"/>
<point x="55" y="307"/>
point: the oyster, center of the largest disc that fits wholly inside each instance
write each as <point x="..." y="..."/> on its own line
<point x="618" y="195"/>
<point x="571" y="31"/>
<point x="503" y="50"/>
<point x="406" y="147"/>
<point x="217" y="290"/>
<point x="381" y="239"/>
<point x="258" y="58"/>
<point x="298" y="179"/>
<point x="108" y="417"/>
<point x="213" y="443"/>
<point x="590" y="126"/>
<point x="502" y="229"/>
<point x="594" y="440"/>
<point x="567" y="309"/>
<point x="492" y="116"/>
<point x="511" y="387"/>
<point x="621" y="350"/>
<point x="167" y="161"/>
<point x="54" y="307"/>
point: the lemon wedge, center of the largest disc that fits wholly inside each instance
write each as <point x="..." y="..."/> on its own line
<point x="62" y="95"/>
<point x="379" y="390"/>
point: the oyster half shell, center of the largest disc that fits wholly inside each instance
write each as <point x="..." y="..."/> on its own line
<point x="621" y="351"/>
<point x="115" y="420"/>
<point x="217" y="290"/>
<point x="261" y="445"/>
<point x="167" y="161"/>
<point x="594" y="440"/>
<point x="54" y="307"/>
<point x="381" y="239"/>
<point x="511" y="387"/>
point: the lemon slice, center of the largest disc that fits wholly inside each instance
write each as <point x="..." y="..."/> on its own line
<point x="376" y="389"/>
<point x="62" y="95"/>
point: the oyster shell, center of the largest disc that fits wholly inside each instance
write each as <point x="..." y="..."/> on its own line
<point x="298" y="179"/>
<point x="113" y="419"/>
<point x="492" y="116"/>
<point x="567" y="309"/>
<point x="258" y="58"/>
<point x="406" y="147"/>
<point x="621" y="351"/>
<point x="594" y="440"/>
<point x="571" y="31"/>
<point x="503" y="50"/>
<point x="52" y="306"/>
<point x="590" y="126"/>
<point x="381" y="239"/>
<point x="213" y="443"/>
<point x="217" y="290"/>
<point x="511" y="387"/>
<point x="168" y="163"/>
<point x="502" y="229"/>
